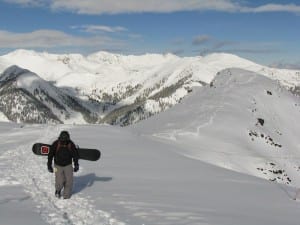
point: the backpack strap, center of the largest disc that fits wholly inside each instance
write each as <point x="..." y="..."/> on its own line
<point x="58" y="146"/>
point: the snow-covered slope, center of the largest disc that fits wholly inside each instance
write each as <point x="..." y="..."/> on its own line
<point x="170" y="169"/>
<point x="25" y="97"/>
<point x="137" y="181"/>
<point x="242" y="121"/>
<point x="3" y="118"/>
<point x="125" y="89"/>
<point x="159" y="171"/>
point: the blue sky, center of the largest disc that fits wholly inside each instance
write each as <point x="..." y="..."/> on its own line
<point x="265" y="31"/>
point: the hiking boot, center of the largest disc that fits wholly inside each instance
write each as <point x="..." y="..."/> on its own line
<point x="57" y="194"/>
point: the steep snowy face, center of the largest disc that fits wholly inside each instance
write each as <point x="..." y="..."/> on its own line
<point x="241" y="121"/>
<point x="25" y="97"/>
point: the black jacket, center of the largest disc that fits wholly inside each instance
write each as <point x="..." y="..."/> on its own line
<point x="63" y="152"/>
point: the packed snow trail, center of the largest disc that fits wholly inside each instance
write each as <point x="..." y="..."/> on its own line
<point x="31" y="172"/>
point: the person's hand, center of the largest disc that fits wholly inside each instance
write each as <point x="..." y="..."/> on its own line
<point x="76" y="168"/>
<point x="50" y="169"/>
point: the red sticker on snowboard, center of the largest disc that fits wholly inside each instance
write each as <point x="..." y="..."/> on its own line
<point x="45" y="150"/>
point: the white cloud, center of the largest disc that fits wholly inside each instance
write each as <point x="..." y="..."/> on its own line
<point x="99" y="28"/>
<point x="52" y="39"/>
<point x="138" y="6"/>
<point x="161" y="6"/>
<point x="131" y="6"/>
<point x="292" y="8"/>
<point x="26" y="2"/>
<point x="165" y="6"/>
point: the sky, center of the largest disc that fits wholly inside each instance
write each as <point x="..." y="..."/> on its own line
<point x="264" y="31"/>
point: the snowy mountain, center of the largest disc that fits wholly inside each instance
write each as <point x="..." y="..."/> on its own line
<point x="119" y="89"/>
<point x="242" y="121"/>
<point x="200" y="162"/>
<point x="160" y="170"/>
<point x="25" y="97"/>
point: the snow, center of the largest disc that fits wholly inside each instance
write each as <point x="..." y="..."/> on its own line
<point x="208" y="160"/>
<point x="193" y="164"/>
<point x="114" y="80"/>
<point x="219" y="124"/>
<point x="107" y="71"/>
<point x="3" y="118"/>
<point x="138" y="180"/>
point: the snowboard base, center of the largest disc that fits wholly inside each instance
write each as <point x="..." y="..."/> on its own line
<point x="84" y="153"/>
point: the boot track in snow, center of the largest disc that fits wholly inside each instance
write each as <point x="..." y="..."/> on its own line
<point x="30" y="171"/>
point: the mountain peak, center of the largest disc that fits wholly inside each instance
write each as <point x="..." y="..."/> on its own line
<point x="23" y="52"/>
<point x="12" y="72"/>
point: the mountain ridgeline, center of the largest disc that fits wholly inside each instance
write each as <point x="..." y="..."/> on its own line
<point x="242" y="121"/>
<point x="110" y="88"/>
<point x="27" y="98"/>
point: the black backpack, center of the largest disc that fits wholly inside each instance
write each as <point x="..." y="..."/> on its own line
<point x="63" y="154"/>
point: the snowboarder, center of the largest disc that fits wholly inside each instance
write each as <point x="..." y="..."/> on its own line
<point x="63" y="151"/>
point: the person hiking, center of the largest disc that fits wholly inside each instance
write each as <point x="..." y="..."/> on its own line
<point x="63" y="150"/>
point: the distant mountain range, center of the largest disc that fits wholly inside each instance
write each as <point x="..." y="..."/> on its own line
<point x="109" y="88"/>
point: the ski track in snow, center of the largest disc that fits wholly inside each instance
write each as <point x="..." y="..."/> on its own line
<point x="30" y="171"/>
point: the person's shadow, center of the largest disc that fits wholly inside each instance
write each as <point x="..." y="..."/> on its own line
<point x="82" y="182"/>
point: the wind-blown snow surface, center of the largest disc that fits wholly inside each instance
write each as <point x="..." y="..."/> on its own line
<point x="160" y="171"/>
<point x="137" y="181"/>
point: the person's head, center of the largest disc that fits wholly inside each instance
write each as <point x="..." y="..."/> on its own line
<point x="64" y="136"/>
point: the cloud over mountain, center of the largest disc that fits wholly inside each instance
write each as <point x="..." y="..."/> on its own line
<point x="167" y="6"/>
<point x="52" y="38"/>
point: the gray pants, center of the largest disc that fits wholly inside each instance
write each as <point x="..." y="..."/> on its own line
<point x="64" y="179"/>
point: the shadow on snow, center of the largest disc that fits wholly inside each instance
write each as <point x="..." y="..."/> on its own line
<point x="88" y="180"/>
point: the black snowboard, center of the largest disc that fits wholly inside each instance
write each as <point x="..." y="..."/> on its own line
<point x="84" y="153"/>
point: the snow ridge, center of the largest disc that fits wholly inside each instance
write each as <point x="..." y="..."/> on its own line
<point x="242" y="121"/>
